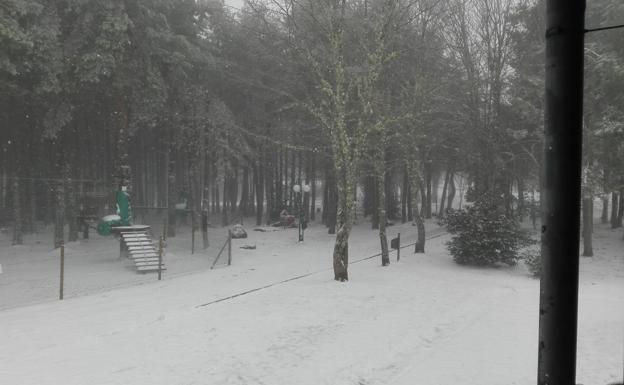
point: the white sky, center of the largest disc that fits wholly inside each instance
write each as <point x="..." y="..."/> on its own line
<point x="234" y="3"/>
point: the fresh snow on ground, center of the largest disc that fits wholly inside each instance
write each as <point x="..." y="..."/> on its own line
<point x="422" y="320"/>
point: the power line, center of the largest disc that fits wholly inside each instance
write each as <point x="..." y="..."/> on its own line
<point x="436" y="235"/>
<point x="604" y="28"/>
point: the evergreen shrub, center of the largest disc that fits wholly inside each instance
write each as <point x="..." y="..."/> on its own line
<point x="483" y="235"/>
<point x="533" y="260"/>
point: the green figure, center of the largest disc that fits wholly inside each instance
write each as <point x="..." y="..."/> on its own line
<point x="122" y="218"/>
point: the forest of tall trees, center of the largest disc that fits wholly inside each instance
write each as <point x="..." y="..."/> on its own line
<point x="227" y="109"/>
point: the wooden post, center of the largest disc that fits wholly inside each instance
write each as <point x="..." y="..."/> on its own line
<point x="160" y="253"/>
<point x="399" y="248"/>
<point x="229" y="247"/>
<point x="193" y="239"/>
<point x="561" y="192"/>
<point x="62" y="272"/>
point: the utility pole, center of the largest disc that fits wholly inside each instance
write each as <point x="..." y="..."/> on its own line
<point x="561" y="192"/>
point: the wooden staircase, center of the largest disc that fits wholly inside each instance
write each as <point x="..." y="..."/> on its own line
<point x="141" y="249"/>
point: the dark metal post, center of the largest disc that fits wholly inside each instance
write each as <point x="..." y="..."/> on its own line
<point x="62" y="280"/>
<point x="561" y="192"/>
<point x="399" y="247"/>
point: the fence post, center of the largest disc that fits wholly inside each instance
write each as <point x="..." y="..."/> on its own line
<point x="399" y="248"/>
<point x="62" y="271"/>
<point x="160" y="253"/>
<point x="229" y="247"/>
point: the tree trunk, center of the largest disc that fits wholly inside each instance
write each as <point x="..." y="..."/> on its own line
<point x="620" y="209"/>
<point x="404" y="189"/>
<point x="451" y="192"/>
<point x="17" y="214"/>
<point x="341" y="248"/>
<point x="293" y="181"/>
<point x="33" y="206"/>
<point x="411" y="201"/>
<point x="259" y="182"/>
<point x="324" y="214"/>
<point x="306" y="195"/>
<point x="313" y="188"/>
<point x="269" y="183"/>
<point x="224" y="210"/>
<point x="604" y="218"/>
<point x="368" y="209"/>
<point x="233" y="189"/>
<point x="171" y="195"/>
<point x="587" y="227"/>
<point x="333" y="204"/>
<point x="381" y="187"/>
<point x="447" y="176"/>
<point x="614" y="209"/>
<point x="389" y="201"/>
<point x="278" y="179"/>
<point x="521" y="204"/>
<point x="242" y="206"/>
<point x="415" y="180"/>
<point x="375" y="202"/>
<point x="345" y="181"/>
<point x="428" y="201"/>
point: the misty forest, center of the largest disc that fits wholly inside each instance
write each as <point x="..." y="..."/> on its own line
<point x="342" y="192"/>
<point x="386" y="110"/>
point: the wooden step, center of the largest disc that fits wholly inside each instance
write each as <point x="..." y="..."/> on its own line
<point x="143" y="251"/>
<point x="150" y="268"/>
<point x="143" y="243"/>
<point x="139" y="264"/>
<point x="143" y="254"/>
<point x="143" y="247"/>
<point x="150" y="259"/>
<point x="135" y="235"/>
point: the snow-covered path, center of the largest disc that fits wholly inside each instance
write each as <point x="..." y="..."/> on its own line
<point x="423" y="320"/>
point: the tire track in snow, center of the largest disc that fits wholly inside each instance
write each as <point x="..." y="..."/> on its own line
<point x="439" y="232"/>
<point x="462" y="318"/>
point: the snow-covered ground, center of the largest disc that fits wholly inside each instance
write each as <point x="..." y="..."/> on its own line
<point x="423" y="320"/>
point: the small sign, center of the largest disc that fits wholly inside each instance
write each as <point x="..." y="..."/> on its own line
<point x="394" y="243"/>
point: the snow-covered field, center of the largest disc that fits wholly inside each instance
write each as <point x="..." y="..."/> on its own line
<point x="423" y="320"/>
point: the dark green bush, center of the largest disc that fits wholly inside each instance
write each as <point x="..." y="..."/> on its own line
<point x="533" y="260"/>
<point x="483" y="235"/>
